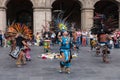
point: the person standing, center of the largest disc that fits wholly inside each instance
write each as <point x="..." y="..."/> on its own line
<point x="53" y="36"/>
<point x="84" y="36"/>
<point x="79" y="35"/>
<point x="1" y="40"/>
<point x="74" y="42"/>
<point x="37" y="39"/>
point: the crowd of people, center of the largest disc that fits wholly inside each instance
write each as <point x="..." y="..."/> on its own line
<point x="79" y="37"/>
<point x="66" y="39"/>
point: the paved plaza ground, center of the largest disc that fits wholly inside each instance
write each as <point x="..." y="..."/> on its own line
<point x="87" y="66"/>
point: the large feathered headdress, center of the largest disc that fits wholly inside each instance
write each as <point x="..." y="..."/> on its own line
<point x="20" y="28"/>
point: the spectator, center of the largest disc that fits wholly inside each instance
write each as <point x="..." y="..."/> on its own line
<point x="37" y="37"/>
<point x="1" y="40"/>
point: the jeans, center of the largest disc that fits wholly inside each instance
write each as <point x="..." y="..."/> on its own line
<point x="78" y="41"/>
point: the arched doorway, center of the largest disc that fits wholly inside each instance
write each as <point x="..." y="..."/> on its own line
<point x="109" y="9"/>
<point x="20" y="11"/>
<point x="67" y="12"/>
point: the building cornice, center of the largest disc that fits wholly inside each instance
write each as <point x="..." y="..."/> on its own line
<point x="87" y="8"/>
<point x="42" y="8"/>
<point x="3" y="8"/>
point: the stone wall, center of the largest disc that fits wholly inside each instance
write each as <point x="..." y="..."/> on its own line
<point x="42" y="13"/>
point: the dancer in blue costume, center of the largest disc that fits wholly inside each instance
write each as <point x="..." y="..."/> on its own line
<point x="65" y="53"/>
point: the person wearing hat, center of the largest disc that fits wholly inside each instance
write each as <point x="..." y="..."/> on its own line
<point x="65" y="53"/>
<point x="20" y="43"/>
<point x="103" y="40"/>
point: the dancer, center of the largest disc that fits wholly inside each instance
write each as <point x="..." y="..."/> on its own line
<point x="65" y="53"/>
<point x="12" y="43"/>
<point x="103" y="41"/>
<point x="20" y="31"/>
<point x="20" y="43"/>
<point x="27" y="50"/>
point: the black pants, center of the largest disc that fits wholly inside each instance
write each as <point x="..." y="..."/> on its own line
<point x="91" y="44"/>
<point x="0" y="41"/>
<point x="62" y="65"/>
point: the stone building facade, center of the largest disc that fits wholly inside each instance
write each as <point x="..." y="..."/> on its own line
<point x="42" y="13"/>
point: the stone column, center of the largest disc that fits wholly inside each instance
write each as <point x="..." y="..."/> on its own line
<point x="119" y="17"/>
<point x="48" y="15"/>
<point x="86" y="18"/>
<point x="41" y="17"/>
<point x="2" y="19"/>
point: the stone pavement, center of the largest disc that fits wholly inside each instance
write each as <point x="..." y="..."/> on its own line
<point x="86" y="67"/>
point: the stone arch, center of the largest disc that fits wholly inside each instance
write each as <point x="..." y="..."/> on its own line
<point x="81" y="2"/>
<point x="117" y="0"/>
<point x="114" y="1"/>
<point x="108" y="8"/>
<point x="20" y="11"/>
<point x="68" y="13"/>
<point x="108" y="5"/>
<point x="5" y="2"/>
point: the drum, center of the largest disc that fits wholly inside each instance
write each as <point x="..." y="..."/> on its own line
<point x="47" y="44"/>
